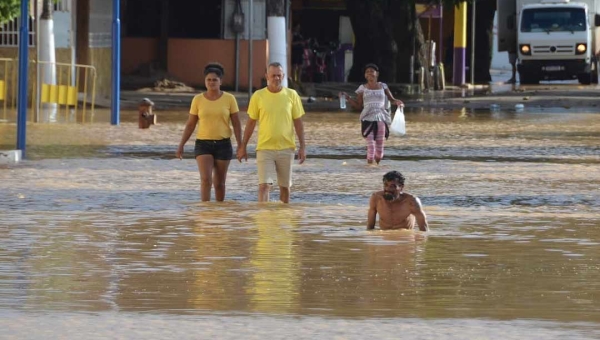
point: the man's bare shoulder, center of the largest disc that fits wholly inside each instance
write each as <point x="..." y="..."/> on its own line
<point x="377" y="194"/>
<point x="376" y="197"/>
<point x="411" y="198"/>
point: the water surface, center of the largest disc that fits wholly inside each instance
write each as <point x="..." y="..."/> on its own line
<point x="102" y="232"/>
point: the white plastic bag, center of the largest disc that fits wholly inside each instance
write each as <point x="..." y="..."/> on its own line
<point x="398" y="127"/>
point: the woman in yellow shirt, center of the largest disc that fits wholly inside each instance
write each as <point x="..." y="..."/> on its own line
<point x="214" y="112"/>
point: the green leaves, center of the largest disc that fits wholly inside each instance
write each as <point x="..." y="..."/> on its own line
<point x="9" y="9"/>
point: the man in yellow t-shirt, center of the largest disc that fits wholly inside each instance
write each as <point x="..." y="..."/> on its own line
<point x="279" y="112"/>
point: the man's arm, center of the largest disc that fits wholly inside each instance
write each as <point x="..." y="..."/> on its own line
<point x="248" y="131"/>
<point x="372" y="212"/>
<point x="417" y="211"/>
<point x="299" y="127"/>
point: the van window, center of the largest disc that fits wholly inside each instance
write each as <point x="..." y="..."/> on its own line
<point x="553" y="20"/>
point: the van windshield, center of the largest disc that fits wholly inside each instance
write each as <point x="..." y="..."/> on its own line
<point x="553" y="20"/>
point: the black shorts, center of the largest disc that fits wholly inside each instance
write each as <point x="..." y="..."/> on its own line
<point x="219" y="149"/>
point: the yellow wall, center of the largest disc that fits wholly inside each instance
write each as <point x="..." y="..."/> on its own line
<point x="101" y="59"/>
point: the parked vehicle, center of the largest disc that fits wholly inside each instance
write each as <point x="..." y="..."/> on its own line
<point x="554" y="39"/>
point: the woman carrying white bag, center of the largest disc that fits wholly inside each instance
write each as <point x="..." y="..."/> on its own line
<point x="374" y="117"/>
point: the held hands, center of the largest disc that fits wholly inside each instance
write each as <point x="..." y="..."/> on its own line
<point x="399" y="103"/>
<point x="241" y="153"/>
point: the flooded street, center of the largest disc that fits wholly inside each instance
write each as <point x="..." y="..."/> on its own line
<point x="104" y="235"/>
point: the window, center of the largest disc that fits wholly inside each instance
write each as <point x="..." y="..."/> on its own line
<point x="186" y="18"/>
<point x="553" y="20"/>
<point x="195" y="19"/>
<point x="142" y="18"/>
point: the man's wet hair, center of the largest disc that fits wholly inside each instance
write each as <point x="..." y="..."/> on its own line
<point x="215" y="68"/>
<point x="394" y="176"/>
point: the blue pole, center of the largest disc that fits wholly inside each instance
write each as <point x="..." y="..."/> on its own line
<point x="116" y="63"/>
<point x="22" y="85"/>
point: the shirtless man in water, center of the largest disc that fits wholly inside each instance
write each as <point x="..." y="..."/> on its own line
<point x="397" y="209"/>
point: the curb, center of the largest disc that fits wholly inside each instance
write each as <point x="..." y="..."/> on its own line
<point x="10" y="156"/>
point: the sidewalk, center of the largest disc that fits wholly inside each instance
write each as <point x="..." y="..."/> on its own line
<point x="324" y="96"/>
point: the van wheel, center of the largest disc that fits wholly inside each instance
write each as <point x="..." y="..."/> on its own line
<point x="528" y="79"/>
<point x="584" y="78"/>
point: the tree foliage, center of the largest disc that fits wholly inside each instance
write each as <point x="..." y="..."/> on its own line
<point x="9" y="9"/>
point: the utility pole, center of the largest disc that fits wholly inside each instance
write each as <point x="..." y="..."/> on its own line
<point x="460" y="44"/>
<point x="472" y="68"/>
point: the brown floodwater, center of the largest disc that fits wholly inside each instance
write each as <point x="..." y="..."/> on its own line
<point x="103" y="234"/>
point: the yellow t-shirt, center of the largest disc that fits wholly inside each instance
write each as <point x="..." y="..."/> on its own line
<point x="214" y="116"/>
<point x="275" y="113"/>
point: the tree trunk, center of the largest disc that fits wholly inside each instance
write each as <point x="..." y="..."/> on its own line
<point x="47" y="9"/>
<point x="384" y="32"/>
<point x="276" y="35"/>
<point x="373" y="38"/>
<point x="409" y="39"/>
<point x="276" y="8"/>
<point x="484" y="25"/>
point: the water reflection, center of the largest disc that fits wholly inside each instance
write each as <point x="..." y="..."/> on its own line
<point x="275" y="275"/>
<point x="104" y="219"/>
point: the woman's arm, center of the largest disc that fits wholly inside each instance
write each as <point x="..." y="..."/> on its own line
<point x="357" y="103"/>
<point x="237" y="128"/>
<point x="190" y="125"/>
<point x="390" y="96"/>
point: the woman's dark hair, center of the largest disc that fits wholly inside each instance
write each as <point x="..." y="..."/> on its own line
<point x="394" y="176"/>
<point x="215" y="68"/>
<point x="371" y="65"/>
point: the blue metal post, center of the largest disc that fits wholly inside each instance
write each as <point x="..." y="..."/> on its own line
<point x="116" y="63"/>
<point x="22" y="85"/>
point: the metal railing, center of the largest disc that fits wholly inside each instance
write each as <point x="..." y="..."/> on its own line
<point x="74" y="83"/>
<point x="7" y="85"/>
<point x="73" y="92"/>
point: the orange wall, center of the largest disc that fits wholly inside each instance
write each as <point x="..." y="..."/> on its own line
<point x="187" y="58"/>
<point x="136" y="52"/>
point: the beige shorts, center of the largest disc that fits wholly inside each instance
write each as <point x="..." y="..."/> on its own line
<point x="273" y="164"/>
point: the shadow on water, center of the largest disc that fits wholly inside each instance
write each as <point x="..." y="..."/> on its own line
<point x="532" y="155"/>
